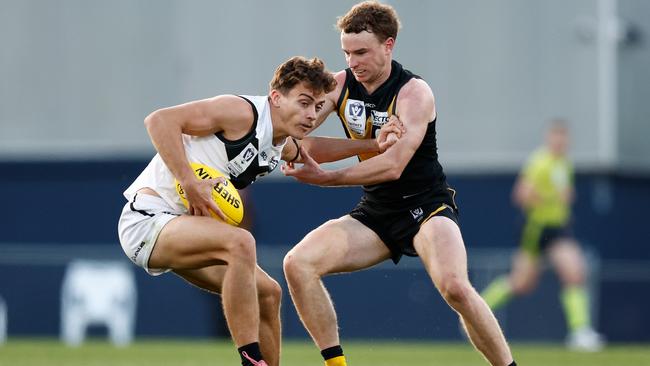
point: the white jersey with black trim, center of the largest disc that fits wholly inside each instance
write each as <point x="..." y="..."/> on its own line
<point x="243" y="160"/>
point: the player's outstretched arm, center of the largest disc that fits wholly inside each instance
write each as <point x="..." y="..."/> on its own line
<point x="328" y="149"/>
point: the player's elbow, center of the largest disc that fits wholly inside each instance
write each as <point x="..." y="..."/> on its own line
<point x="152" y="119"/>
<point x="393" y="173"/>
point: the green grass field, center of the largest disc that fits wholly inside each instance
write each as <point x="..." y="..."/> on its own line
<point x="30" y="352"/>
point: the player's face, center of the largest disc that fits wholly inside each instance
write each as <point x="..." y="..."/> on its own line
<point x="558" y="140"/>
<point x="366" y="56"/>
<point x="300" y="107"/>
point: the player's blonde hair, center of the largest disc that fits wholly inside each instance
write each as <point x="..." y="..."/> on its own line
<point x="311" y="73"/>
<point x="373" y="17"/>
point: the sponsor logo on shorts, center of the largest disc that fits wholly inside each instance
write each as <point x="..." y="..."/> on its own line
<point x="137" y="251"/>
<point x="417" y="213"/>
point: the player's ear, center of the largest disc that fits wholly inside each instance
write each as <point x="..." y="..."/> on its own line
<point x="389" y="43"/>
<point x="274" y="97"/>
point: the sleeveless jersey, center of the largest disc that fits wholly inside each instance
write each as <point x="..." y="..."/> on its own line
<point x="363" y="114"/>
<point x="243" y="160"/>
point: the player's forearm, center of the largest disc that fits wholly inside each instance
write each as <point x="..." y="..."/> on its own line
<point x="327" y="149"/>
<point x="364" y="173"/>
<point x="168" y="141"/>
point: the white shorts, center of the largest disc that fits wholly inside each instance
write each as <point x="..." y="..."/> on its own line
<point x="142" y="219"/>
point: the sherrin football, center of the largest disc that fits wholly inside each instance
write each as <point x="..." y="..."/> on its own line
<point x="224" y="194"/>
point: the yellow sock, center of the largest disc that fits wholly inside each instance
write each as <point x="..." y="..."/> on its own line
<point x="336" y="361"/>
<point x="497" y="293"/>
<point x="576" y="307"/>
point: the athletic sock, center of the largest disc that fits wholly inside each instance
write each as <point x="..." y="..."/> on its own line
<point x="498" y="293"/>
<point x="513" y="364"/>
<point x="250" y="354"/>
<point x="576" y="307"/>
<point x="333" y="356"/>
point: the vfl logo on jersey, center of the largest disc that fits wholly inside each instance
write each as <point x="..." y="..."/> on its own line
<point x="417" y="213"/>
<point x="379" y="118"/>
<point x="355" y="116"/>
<point x="242" y="161"/>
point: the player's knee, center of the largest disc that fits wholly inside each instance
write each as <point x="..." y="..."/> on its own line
<point x="242" y="247"/>
<point x="295" y="266"/>
<point x="270" y="296"/>
<point x="291" y="265"/>
<point x="456" y="291"/>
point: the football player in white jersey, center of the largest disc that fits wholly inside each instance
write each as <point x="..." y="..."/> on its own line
<point x="159" y="234"/>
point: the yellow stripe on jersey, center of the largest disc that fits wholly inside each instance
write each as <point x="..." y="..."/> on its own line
<point x="342" y="110"/>
<point x="390" y="106"/>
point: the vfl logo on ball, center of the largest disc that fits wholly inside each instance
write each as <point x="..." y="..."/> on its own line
<point x="355" y="116"/>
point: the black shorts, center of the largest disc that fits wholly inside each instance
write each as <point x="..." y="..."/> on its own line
<point x="396" y="224"/>
<point x="537" y="237"/>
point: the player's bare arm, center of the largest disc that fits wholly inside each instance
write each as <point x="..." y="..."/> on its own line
<point x="416" y="109"/>
<point x="328" y="149"/>
<point x="227" y="113"/>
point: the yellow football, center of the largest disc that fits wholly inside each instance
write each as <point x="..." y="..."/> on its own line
<point x="224" y="194"/>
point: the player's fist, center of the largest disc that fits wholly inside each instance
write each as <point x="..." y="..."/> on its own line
<point x="390" y="133"/>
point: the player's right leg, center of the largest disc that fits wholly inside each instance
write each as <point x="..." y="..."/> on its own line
<point x="192" y="242"/>
<point x="269" y="296"/>
<point x="568" y="260"/>
<point x="341" y="245"/>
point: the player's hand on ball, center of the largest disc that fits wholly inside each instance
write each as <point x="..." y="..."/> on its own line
<point x="199" y="197"/>
<point x="211" y="194"/>
<point x="390" y="133"/>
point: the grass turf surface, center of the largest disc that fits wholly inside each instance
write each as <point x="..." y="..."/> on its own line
<point x="44" y="352"/>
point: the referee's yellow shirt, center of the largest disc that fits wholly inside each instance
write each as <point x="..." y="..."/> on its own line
<point x="550" y="176"/>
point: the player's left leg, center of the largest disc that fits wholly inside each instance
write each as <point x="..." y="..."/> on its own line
<point x="440" y="246"/>
<point x="522" y="279"/>
<point x="568" y="260"/>
<point x="269" y="295"/>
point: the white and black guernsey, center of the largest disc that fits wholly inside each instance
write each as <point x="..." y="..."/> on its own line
<point x="242" y="161"/>
<point x="363" y="114"/>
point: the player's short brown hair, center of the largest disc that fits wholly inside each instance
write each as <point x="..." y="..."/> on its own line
<point x="311" y="73"/>
<point x="371" y="16"/>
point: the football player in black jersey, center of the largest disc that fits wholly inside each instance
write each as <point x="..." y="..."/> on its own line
<point x="407" y="207"/>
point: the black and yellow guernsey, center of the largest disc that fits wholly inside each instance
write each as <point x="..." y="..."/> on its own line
<point x="363" y="114"/>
